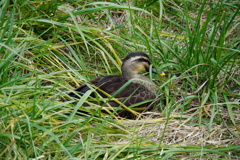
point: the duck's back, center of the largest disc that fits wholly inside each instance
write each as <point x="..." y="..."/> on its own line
<point x="108" y="84"/>
<point x="132" y="94"/>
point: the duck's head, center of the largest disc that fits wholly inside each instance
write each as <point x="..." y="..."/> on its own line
<point x="137" y="62"/>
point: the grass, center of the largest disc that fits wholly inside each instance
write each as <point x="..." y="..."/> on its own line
<point x="50" y="47"/>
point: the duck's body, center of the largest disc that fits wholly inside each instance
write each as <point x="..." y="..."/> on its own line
<point x="141" y="89"/>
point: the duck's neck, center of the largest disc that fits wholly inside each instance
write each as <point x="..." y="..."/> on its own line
<point x="129" y="73"/>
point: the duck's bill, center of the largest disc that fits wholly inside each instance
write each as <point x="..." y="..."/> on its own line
<point x="161" y="73"/>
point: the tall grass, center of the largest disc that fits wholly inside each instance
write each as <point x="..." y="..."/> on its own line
<point x="49" y="47"/>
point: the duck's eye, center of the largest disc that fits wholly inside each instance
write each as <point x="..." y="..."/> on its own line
<point x="141" y="67"/>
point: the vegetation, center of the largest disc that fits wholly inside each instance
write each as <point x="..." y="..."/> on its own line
<point x="47" y="48"/>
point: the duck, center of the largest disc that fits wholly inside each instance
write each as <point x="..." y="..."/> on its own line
<point x="138" y="93"/>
